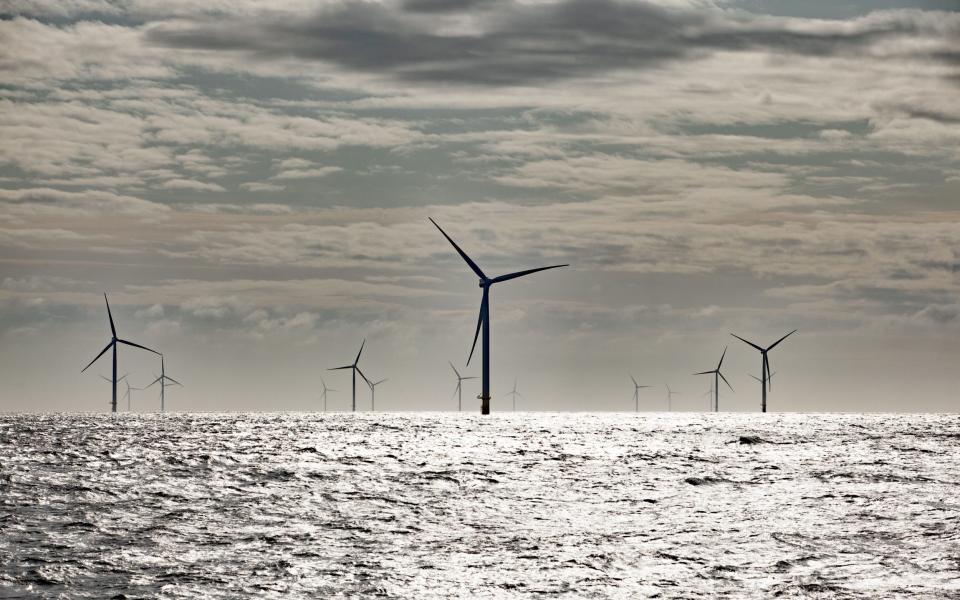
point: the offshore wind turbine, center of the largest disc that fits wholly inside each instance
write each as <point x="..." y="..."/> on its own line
<point x="323" y="394"/>
<point x="670" y="395"/>
<point x="483" y="322"/>
<point x="459" y="390"/>
<point x="636" y="393"/>
<point x="764" y="365"/>
<point x="162" y="380"/>
<point x="717" y="376"/>
<point x="355" y="370"/>
<point x="114" y="340"/>
<point x="128" y="396"/>
<point x="514" y="394"/>
<point x="373" y="388"/>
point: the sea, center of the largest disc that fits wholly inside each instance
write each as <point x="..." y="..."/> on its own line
<point x="455" y="505"/>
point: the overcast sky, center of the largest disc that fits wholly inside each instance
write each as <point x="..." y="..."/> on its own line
<point x="250" y="183"/>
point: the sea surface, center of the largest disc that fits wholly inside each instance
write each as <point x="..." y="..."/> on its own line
<point x="439" y="505"/>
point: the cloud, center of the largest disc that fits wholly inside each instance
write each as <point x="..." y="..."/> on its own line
<point x="51" y="202"/>
<point x="259" y="186"/>
<point x="190" y="184"/>
<point x="307" y="173"/>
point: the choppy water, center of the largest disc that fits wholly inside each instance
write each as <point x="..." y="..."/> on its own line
<point x="441" y="505"/>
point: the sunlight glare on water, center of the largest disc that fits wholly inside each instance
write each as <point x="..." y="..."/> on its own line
<point x="437" y="505"/>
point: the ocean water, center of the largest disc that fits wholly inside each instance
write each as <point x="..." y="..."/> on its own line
<point x="453" y="505"/>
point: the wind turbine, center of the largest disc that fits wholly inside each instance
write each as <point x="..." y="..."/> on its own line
<point x="128" y="396"/>
<point x="323" y="394"/>
<point x="459" y="390"/>
<point x="162" y="380"/>
<point x="114" y="340"/>
<point x="765" y="365"/>
<point x="717" y="376"/>
<point x="670" y="395"/>
<point x="709" y="394"/>
<point x="355" y="369"/>
<point x="483" y="322"/>
<point x="515" y="393"/>
<point x="373" y="388"/>
<point x="636" y="393"/>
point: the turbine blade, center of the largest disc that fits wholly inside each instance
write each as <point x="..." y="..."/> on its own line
<point x="379" y="382"/>
<point x="113" y="329"/>
<point x="105" y="378"/>
<point x="773" y="345"/>
<point x="644" y="386"/>
<point x="455" y="390"/>
<point x="154" y="381"/>
<point x="510" y="276"/>
<point x="719" y="364"/>
<point x="705" y="373"/>
<point x="745" y="341"/>
<point x="633" y="380"/>
<point x="98" y="356"/>
<point x="454" y="369"/>
<point x="173" y="380"/>
<point x="362" y="375"/>
<point x="339" y="368"/>
<point x="466" y="378"/>
<point x="463" y="254"/>
<point x="483" y="312"/>
<point x="766" y="368"/>
<point x="129" y="343"/>
<point x="755" y="377"/>
<point x="361" y="351"/>
<point x="725" y="380"/>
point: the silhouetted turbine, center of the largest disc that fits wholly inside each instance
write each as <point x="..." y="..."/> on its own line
<point x="717" y="376"/>
<point x="323" y="394"/>
<point x="162" y="380"/>
<point x="114" y="340"/>
<point x="764" y="365"/>
<point x="373" y="389"/>
<point x="636" y="393"/>
<point x="670" y="395"/>
<point x="128" y="396"/>
<point x="483" y="322"/>
<point x="459" y="389"/>
<point x="355" y="369"/>
<point x="514" y="394"/>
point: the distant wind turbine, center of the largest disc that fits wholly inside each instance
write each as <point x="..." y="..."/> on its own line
<point x="636" y="393"/>
<point x="373" y="388"/>
<point x="670" y="395"/>
<point x="355" y="369"/>
<point x="128" y="396"/>
<point x="514" y="394"/>
<point x="162" y="380"/>
<point x="764" y="365"/>
<point x="459" y="389"/>
<point x="114" y="340"/>
<point x="717" y="376"/>
<point x="483" y="322"/>
<point x="323" y="394"/>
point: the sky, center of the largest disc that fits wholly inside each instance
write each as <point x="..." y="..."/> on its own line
<point x="251" y="184"/>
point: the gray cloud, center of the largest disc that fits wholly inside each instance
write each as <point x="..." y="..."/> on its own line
<point x="520" y="44"/>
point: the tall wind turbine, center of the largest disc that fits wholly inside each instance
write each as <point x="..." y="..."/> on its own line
<point x="459" y="390"/>
<point x="323" y="394"/>
<point x="717" y="376"/>
<point x="670" y="395"/>
<point x="355" y="369"/>
<point x="162" y="380"/>
<point x="114" y="340"/>
<point x="514" y="394"/>
<point x="765" y="365"/>
<point x="483" y="322"/>
<point x="636" y="393"/>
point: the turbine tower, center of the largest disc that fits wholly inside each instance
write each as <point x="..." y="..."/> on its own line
<point x="114" y="340"/>
<point x="483" y="322"/>
<point x="162" y="380"/>
<point x="636" y="393"/>
<point x="717" y="376"/>
<point x="670" y="395"/>
<point x="459" y="390"/>
<point x="323" y="394"/>
<point x="514" y="394"/>
<point x="356" y="370"/>
<point x="764" y="365"/>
